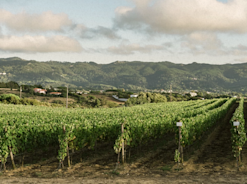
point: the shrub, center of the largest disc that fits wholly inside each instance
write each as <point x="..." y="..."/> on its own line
<point x="146" y="98"/>
<point x="112" y="104"/>
<point x="28" y="101"/>
<point x="58" y="102"/>
<point x="10" y="98"/>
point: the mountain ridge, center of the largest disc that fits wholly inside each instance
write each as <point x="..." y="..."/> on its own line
<point x="135" y="75"/>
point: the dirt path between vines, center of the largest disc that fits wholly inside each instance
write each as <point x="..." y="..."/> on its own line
<point x="215" y="155"/>
<point x="213" y="162"/>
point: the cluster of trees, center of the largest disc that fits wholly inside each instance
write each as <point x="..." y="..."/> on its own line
<point x="92" y="101"/>
<point x="11" y="85"/>
<point x="13" y="99"/>
<point x="146" y="98"/>
<point x="81" y="101"/>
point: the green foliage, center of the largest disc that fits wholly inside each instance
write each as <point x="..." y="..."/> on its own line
<point x="11" y="84"/>
<point x="202" y="119"/>
<point x="58" y="102"/>
<point x="177" y="156"/>
<point x="33" y="127"/>
<point x="166" y="168"/>
<point x="92" y="101"/>
<point x="128" y="75"/>
<point x="111" y="104"/>
<point x="238" y="133"/>
<point x="146" y="98"/>
<point x="13" y="99"/>
<point x="10" y="98"/>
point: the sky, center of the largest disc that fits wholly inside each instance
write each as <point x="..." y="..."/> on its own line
<point x="105" y="31"/>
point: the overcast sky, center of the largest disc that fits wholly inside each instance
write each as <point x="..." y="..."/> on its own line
<point x="104" y="31"/>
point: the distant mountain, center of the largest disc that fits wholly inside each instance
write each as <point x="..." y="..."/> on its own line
<point x="131" y="75"/>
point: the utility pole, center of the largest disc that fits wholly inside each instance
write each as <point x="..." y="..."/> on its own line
<point x="67" y="97"/>
<point x="170" y="92"/>
<point x="20" y="91"/>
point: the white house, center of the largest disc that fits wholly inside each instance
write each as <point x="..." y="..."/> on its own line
<point x="36" y="90"/>
<point x="42" y="91"/>
<point x="133" y="96"/>
<point x="55" y="93"/>
<point x="192" y="94"/>
<point x="39" y="90"/>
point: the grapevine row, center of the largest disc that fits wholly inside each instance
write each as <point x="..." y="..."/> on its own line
<point x="238" y="132"/>
<point x="24" y="129"/>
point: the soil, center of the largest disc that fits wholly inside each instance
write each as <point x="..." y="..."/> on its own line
<point x="209" y="160"/>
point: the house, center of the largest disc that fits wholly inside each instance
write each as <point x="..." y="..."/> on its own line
<point x="55" y="93"/>
<point x="192" y="94"/>
<point x="42" y="91"/>
<point x="36" y="90"/>
<point x="133" y="96"/>
<point x="39" y="90"/>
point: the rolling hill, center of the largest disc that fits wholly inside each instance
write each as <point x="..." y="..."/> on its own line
<point x="133" y="75"/>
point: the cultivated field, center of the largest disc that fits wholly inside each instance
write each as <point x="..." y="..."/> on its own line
<point x="40" y="138"/>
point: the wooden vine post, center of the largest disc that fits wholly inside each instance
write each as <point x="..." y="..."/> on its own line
<point x="236" y="124"/>
<point x="67" y="94"/>
<point x="20" y="91"/>
<point x="64" y="129"/>
<point x="122" y="127"/>
<point x="3" y="165"/>
<point x="12" y="157"/>
<point x="180" y="147"/>
<point x="11" y="154"/>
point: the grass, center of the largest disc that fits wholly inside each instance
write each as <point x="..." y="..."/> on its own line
<point x="115" y="173"/>
<point x="166" y="168"/>
<point x="38" y="174"/>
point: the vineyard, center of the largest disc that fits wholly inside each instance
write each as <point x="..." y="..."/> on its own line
<point x="26" y="130"/>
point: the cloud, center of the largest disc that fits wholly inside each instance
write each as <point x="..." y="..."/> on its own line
<point x="208" y="43"/>
<point x="34" y="44"/>
<point x="128" y="49"/>
<point x="46" y="21"/>
<point x="98" y="32"/>
<point x="241" y="60"/>
<point x="238" y="50"/>
<point x="202" y="43"/>
<point x="180" y="16"/>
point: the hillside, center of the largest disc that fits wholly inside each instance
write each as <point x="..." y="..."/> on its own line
<point x="131" y="75"/>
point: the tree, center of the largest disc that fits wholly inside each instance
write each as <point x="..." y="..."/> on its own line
<point x="146" y="98"/>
